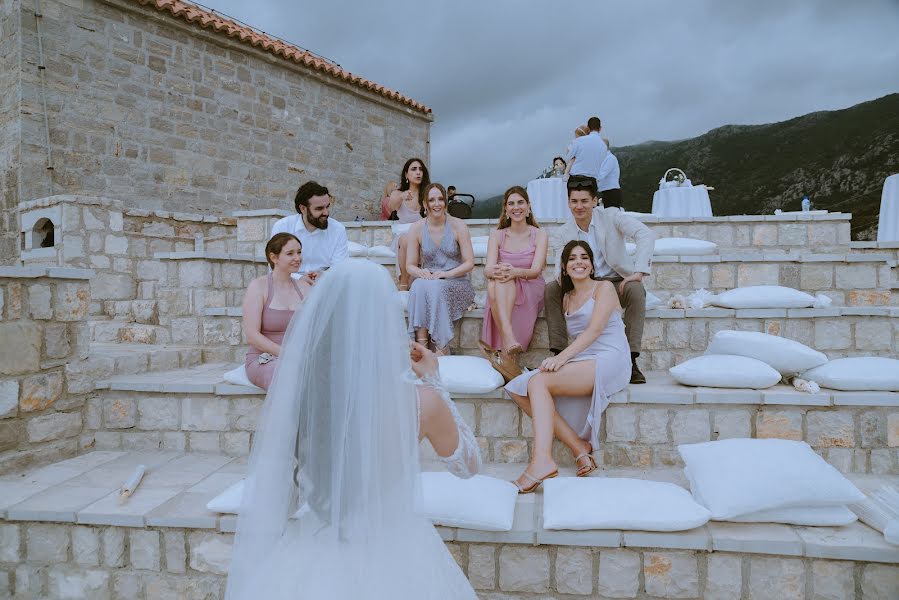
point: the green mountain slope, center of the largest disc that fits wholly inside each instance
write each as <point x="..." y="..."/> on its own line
<point x="837" y="158"/>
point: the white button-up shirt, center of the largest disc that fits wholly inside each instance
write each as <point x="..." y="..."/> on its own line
<point x="321" y="247"/>
<point x="589" y="151"/>
<point x="609" y="173"/>
<point x="600" y="267"/>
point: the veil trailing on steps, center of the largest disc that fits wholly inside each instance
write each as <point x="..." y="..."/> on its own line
<point x="338" y="434"/>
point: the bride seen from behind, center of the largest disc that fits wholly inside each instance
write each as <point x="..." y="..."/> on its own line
<point x="339" y="435"/>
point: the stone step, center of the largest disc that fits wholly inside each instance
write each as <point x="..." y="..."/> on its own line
<point x="65" y="535"/>
<point x="106" y="359"/>
<point x="195" y="410"/>
<point x="670" y="336"/>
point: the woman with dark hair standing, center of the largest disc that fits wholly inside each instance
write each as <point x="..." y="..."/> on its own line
<point x="567" y="395"/>
<point x="516" y="257"/>
<point x="442" y="290"/>
<point x="268" y="305"/>
<point x="408" y="201"/>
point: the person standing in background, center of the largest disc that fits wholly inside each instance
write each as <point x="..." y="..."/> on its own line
<point x="588" y="152"/>
<point x="608" y="182"/>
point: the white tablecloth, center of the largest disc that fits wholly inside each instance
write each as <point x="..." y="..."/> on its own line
<point x="690" y="201"/>
<point x="888" y="225"/>
<point x="549" y="198"/>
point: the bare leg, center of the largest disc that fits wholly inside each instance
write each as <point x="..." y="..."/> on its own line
<point x="502" y="301"/>
<point x="573" y="379"/>
<point x="401" y="260"/>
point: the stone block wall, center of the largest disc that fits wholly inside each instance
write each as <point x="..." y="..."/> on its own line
<point x="42" y="330"/>
<point x="10" y="40"/>
<point x="57" y="561"/>
<point x="167" y="115"/>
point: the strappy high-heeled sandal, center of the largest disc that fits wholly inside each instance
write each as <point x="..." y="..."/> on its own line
<point x="590" y="467"/>
<point x="500" y="361"/>
<point x="536" y="482"/>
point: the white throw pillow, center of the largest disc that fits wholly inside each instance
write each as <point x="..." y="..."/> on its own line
<point x="763" y="296"/>
<point x="653" y="301"/>
<point x="481" y="502"/>
<point x="404" y="299"/>
<point x="479" y="245"/>
<point x="809" y="516"/>
<point x="228" y="501"/>
<point x="680" y="246"/>
<point x="861" y="373"/>
<point x="400" y="228"/>
<point x="741" y="476"/>
<point x="238" y="376"/>
<point x="614" y="503"/>
<point x="357" y="249"/>
<point x="725" y="371"/>
<point x="891" y="533"/>
<point x="786" y="356"/>
<point x="381" y="252"/>
<point x="468" y="375"/>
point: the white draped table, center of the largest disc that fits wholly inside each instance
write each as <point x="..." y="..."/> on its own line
<point x="692" y="201"/>
<point x="888" y="224"/>
<point x="549" y="198"/>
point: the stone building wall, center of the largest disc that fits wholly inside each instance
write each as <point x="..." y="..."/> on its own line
<point x="9" y="125"/>
<point x="42" y="329"/>
<point x="163" y="114"/>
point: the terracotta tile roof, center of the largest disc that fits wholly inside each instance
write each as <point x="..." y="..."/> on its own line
<point x="209" y="20"/>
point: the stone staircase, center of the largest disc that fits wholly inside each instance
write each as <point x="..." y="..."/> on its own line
<point x="163" y="324"/>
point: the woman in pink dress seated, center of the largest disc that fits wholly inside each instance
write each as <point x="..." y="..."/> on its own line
<point x="268" y="306"/>
<point x="516" y="257"/>
<point x="567" y="395"/>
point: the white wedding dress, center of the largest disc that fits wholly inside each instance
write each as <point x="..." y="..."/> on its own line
<point x="339" y="434"/>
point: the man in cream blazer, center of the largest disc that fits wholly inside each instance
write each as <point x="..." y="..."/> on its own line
<point x="605" y="230"/>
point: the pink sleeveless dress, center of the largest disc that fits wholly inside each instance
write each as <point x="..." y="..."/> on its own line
<point x="274" y="325"/>
<point x="528" y="297"/>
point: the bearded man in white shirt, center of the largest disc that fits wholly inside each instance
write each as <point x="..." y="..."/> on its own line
<point x="323" y="238"/>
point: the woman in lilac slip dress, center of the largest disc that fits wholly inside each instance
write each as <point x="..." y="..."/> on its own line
<point x="567" y="395"/>
<point x="516" y="257"/>
<point x="269" y="304"/>
<point x="408" y="201"/>
<point x="442" y="290"/>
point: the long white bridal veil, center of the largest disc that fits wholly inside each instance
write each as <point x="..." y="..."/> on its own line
<point x="338" y="435"/>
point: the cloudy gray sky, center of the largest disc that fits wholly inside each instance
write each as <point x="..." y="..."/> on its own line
<point x="509" y="80"/>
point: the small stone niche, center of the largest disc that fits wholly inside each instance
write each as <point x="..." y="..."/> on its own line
<point x="43" y="234"/>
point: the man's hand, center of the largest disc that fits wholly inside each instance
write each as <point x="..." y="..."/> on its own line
<point x="628" y="279"/>
<point x="424" y="362"/>
<point x="310" y="277"/>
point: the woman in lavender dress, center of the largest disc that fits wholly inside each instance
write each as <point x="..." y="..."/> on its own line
<point x="442" y="290"/>
<point x="408" y="202"/>
<point x="567" y="395"/>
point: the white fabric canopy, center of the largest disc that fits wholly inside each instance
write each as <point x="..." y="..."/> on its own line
<point x="692" y="201"/>
<point x="549" y="199"/>
<point x="888" y="225"/>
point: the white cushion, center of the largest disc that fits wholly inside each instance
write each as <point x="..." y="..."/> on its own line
<point x="786" y="356"/>
<point x="739" y="476"/>
<point x="479" y="245"/>
<point x="468" y="375"/>
<point x="612" y="503"/>
<point x="400" y="228"/>
<point x="653" y="301"/>
<point x="891" y="533"/>
<point x="860" y="373"/>
<point x="810" y="516"/>
<point x="404" y="299"/>
<point x="481" y="502"/>
<point x="725" y="371"/>
<point x="763" y="296"/>
<point x="681" y="246"/>
<point x="228" y="501"/>
<point x="381" y="252"/>
<point x="357" y="249"/>
<point x="238" y="376"/>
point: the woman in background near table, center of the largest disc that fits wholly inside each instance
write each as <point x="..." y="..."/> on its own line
<point x="567" y="395"/>
<point x="516" y="257"/>
<point x="581" y="131"/>
<point x="268" y="306"/>
<point x="559" y="165"/>
<point x="408" y="201"/>
<point x="442" y="290"/>
<point x="386" y="213"/>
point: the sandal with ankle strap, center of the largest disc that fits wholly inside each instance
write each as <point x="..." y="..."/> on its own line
<point x="592" y="466"/>
<point x="537" y="482"/>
